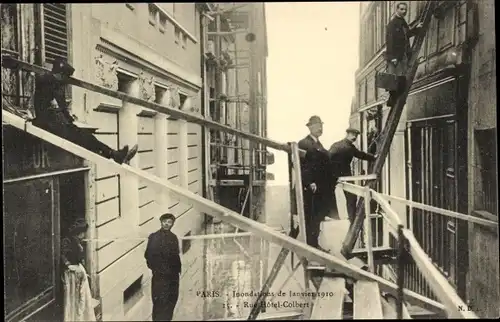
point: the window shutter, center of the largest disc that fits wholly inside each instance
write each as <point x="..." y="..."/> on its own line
<point x="55" y="31"/>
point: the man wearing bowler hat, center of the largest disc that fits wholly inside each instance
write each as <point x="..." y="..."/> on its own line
<point x="341" y="154"/>
<point x="317" y="184"/>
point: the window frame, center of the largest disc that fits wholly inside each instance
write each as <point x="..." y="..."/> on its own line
<point x="17" y="52"/>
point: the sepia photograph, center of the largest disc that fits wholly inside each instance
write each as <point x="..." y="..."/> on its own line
<point x="225" y="161"/>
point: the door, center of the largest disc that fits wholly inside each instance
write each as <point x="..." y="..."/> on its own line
<point x="432" y="166"/>
<point x="31" y="250"/>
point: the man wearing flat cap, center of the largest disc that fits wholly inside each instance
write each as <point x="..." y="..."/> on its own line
<point x="316" y="182"/>
<point x="163" y="259"/>
<point x="52" y="114"/>
<point x="341" y="155"/>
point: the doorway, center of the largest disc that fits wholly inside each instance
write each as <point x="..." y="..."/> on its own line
<point x="431" y="170"/>
<point x="71" y="199"/>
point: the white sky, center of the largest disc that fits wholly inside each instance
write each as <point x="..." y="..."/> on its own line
<point x="310" y="71"/>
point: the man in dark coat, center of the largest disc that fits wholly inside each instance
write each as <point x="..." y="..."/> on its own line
<point x="52" y="114"/>
<point x="163" y="259"/>
<point x="317" y="184"/>
<point x="398" y="49"/>
<point x="341" y="155"/>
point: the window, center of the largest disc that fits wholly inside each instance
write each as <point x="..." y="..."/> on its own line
<point x="10" y="44"/>
<point x="446" y="30"/>
<point x="413" y="9"/>
<point x="153" y="14"/>
<point x="390" y="10"/>
<point x="124" y="82"/>
<point x="132" y="295"/>
<point x="182" y="100"/>
<point x="159" y="94"/>
<point x="378" y="26"/>
<point x="486" y="164"/>
<point x="432" y="37"/>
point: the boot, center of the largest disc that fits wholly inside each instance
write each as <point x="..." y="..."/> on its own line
<point x="120" y="155"/>
<point x="131" y="153"/>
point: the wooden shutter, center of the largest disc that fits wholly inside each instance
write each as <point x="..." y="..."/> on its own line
<point x="55" y="30"/>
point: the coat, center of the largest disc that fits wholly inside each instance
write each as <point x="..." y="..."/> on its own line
<point x="162" y="253"/>
<point x="47" y="88"/>
<point x="315" y="165"/>
<point x="341" y="155"/>
<point x="397" y="39"/>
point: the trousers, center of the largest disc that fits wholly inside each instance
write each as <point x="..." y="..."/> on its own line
<point x="165" y="293"/>
<point x="315" y="210"/>
<point x="57" y="123"/>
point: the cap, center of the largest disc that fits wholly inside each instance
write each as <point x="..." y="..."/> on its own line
<point x="59" y="65"/>
<point x="314" y="120"/>
<point x="353" y="130"/>
<point x="167" y="216"/>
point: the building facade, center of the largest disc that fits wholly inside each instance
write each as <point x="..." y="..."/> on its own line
<point x="430" y="159"/>
<point x="153" y="51"/>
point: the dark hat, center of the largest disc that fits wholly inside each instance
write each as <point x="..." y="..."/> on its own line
<point x="59" y="65"/>
<point x="313" y="120"/>
<point x="167" y="216"/>
<point x="353" y="130"/>
<point x="78" y="226"/>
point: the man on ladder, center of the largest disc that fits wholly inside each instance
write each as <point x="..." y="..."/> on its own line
<point x="398" y="51"/>
<point x="52" y="114"/>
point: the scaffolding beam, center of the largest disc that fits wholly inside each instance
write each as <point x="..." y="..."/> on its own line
<point x="10" y="62"/>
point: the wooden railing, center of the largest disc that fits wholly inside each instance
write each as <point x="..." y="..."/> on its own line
<point x="426" y="265"/>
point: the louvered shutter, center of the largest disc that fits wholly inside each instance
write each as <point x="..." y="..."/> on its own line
<point x="55" y="31"/>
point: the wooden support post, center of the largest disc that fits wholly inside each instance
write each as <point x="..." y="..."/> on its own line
<point x="368" y="230"/>
<point x="293" y="205"/>
<point x="389" y="130"/>
<point x="299" y="201"/>
<point x="400" y="278"/>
